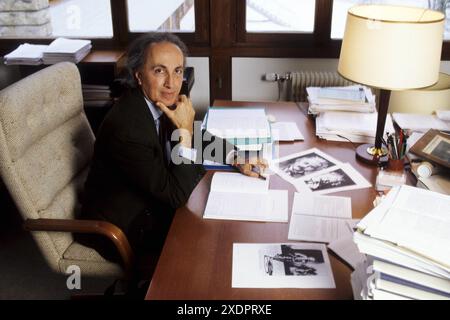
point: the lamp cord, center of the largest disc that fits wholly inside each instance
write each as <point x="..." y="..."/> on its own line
<point x="340" y="136"/>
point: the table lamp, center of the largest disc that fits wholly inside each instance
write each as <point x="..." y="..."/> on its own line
<point x="390" y="48"/>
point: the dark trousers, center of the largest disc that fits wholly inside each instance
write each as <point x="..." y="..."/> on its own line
<point x="146" y="235"/>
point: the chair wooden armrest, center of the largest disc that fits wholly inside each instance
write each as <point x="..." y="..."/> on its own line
<point x="104" y="228"/>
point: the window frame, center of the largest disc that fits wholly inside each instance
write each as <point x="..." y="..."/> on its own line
<point x="122" y="36"/>
<point x="318" y="44"/>
<point x="321" y="26"/>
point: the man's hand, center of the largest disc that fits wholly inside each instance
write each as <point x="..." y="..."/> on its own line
<point x="252" y="167"/>
<point x="183" y="115"/>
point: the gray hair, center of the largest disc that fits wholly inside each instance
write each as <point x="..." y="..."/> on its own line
<point x="137" y="53"/>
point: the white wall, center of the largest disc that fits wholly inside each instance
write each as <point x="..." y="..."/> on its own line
<point x="445" y="66"/>
<point x="200" y="90"/>
<point x="247" y="83"/>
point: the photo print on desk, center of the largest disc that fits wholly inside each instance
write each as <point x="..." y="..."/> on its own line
<point x="299" y="165"/>
<point x="340" y="178"/>
<point x="281" y="265"/>
<point x="290" y="261"/>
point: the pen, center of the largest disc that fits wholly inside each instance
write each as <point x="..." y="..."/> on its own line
<point x="260" y="176"/>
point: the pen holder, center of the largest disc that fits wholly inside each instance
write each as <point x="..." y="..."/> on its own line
<point x="393" y="175"/>
<point x="396" y="165"/>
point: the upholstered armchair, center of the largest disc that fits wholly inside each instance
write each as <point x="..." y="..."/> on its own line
<point x="46" y="145"/>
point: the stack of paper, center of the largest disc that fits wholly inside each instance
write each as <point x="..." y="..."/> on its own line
<point x="63" y="49"/>
<point x="420" y="122"/>
<point x="247" y="128"/>
<point x="234" y="196"/>
<point x="29" y="54"/>
<point x="351" y="98"/>
<point x="350" y="126"/>
<point x="409" y="241"/>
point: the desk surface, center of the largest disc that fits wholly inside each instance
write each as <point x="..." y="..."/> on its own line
<point x="196" y="260"/>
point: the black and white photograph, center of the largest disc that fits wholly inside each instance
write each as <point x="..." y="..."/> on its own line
<point x="341" y="178"/>
<point x="440" y="148"/>
<point x="299" y="165"/>
<point x="333" y="179"/>
<point x="285" y="265"/>
<point x="291" y="261"/>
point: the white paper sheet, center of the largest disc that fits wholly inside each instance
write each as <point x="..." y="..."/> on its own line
<point x="275" y="265"/>
<point x="285" y="131"/>
<point x="319" y="218"/>
<point x="317" y="229"/>
<point x="322" y="206"/>
<point x="234" y="196"/>
<point x="346" y="249"/>
<point x="238" y="123"/>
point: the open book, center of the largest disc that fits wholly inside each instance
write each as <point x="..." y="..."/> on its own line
<point x="234" y="196"/>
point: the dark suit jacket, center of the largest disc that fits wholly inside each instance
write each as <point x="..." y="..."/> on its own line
<point x="128" y="174"/>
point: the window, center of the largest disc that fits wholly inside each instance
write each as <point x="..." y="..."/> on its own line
<point x="340" y="8"/>
<point x="56" y="18"/>
<point x="280" y="16"/>
<point x="156" y="15"/>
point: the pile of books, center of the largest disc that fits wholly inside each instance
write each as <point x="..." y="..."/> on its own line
<point x="407" y="244"/>
<point x="96" y="95"/>
<point x="59" y="50"/>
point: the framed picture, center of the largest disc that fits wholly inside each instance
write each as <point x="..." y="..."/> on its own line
<point x="434" y="146"/>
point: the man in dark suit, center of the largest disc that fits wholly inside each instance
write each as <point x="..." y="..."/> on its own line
<point x="133" y="181"/>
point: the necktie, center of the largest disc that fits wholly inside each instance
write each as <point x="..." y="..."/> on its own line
<point x="164" y="135"/>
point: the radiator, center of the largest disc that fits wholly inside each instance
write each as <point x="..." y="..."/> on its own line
<point x="298" y="81"/>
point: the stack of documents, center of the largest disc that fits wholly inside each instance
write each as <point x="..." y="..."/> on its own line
<point x="247" y="128"/>
<point x="350" y="126"/>
<point x="28" y="54"/>
<point x="59" y="50"/>
<point x="408" y="242"/>
<point x="63" y="49"/>
<point x="421" y="122"/>
<point x="351" y="98"/>
<point x="234" y="196"/>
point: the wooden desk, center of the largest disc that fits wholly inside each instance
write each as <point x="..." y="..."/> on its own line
<point x="196" y="260"/>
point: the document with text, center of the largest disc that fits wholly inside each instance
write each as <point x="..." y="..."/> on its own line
<point x="319" y="218"/>
<point x="234" y="196"/>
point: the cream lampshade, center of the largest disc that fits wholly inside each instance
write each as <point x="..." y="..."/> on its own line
<point x="424" y="100"/>
<point x="391" y="48"/>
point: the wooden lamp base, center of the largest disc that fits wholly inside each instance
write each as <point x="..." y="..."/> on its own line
<point x="367" y="153"/>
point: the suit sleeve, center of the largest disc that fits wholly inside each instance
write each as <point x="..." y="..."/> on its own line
<point x="142" y="165"/>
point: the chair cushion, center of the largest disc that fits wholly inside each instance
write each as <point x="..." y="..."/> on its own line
<point x="89" y="261"/>
<point x="48" y="166"/>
